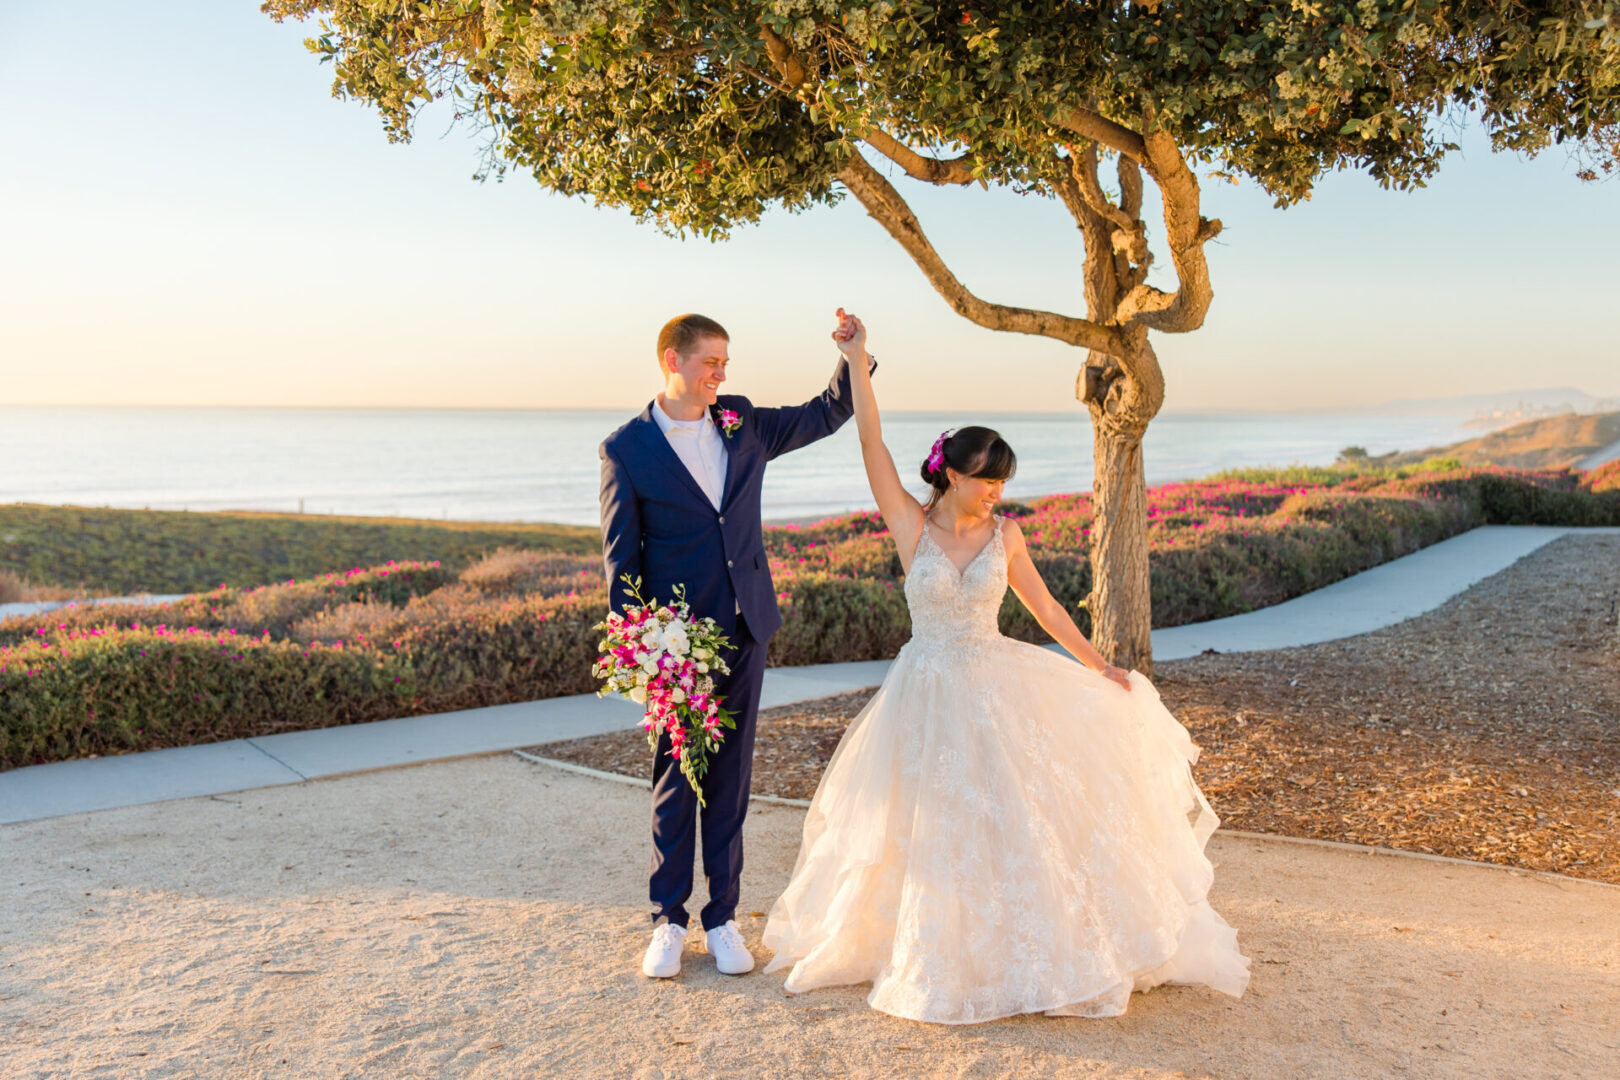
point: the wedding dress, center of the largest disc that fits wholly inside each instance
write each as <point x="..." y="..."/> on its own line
<point x="1002" y="830"/>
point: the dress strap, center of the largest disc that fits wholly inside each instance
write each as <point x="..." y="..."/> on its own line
<point x="921" y="536"/>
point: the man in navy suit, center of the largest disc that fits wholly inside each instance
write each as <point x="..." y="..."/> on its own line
<point x="681" y="505"/>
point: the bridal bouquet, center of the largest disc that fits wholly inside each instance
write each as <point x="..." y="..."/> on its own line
<point x="661" y="656"/>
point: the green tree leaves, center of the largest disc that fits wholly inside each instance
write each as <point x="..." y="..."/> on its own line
<point x="675" y="111"/>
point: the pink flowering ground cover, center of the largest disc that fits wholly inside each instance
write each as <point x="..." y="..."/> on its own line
<point x="408" y="638"/>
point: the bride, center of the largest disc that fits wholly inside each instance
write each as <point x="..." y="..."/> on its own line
<point x="1000" y="830"/>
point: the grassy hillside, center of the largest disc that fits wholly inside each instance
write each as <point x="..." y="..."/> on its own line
<point x="1548" y="443"/>
<point x="162" y="551"/>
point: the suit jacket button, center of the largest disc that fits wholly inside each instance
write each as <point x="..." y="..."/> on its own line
<point x="728" y="562"/>
<point x="722" y="519"/>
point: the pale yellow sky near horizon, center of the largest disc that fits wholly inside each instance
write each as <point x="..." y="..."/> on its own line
<point x="265" y="245"/>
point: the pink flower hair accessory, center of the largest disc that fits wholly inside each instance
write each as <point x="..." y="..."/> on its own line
<point x="936" y="455"/>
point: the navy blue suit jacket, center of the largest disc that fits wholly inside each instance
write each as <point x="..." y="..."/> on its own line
<point x="657" y="524"/>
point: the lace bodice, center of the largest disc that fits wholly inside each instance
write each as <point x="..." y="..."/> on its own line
<point x="947" y="606"/>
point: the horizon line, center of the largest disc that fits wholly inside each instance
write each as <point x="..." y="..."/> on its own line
<point x="1408" y="404"/>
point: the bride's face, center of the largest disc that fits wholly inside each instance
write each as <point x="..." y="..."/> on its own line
<point x="975" y="495"/>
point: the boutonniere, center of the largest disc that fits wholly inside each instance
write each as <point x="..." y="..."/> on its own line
<point x="728" y="421"/>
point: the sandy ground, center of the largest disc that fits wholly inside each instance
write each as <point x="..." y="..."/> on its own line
<point x="486" y="917"/>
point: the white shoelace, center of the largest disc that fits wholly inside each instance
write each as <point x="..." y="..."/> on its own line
<point x="729" y="935"/>
<point x="667" y="934"/>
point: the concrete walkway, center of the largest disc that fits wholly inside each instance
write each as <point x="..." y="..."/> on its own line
<point x="1385" y="595"/>
<point x="34" y="607"/>
<point x="1379" y="597"/>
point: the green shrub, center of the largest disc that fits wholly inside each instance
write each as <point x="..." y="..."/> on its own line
<point x="513" y="650"/>
<point x="1604" y="478"/>
<point x="827" y="619"/>
<point x="273" y="608"/>
<point x="511" y="571"/>
<point x="112" y="692"/>
<point x="1518" y="496"/>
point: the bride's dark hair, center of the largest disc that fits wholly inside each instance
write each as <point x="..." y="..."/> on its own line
<point x="971" y="451"/>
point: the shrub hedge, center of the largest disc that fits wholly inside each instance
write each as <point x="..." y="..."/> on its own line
<point x="408" y="638"/>
<point x="103" y="692"/>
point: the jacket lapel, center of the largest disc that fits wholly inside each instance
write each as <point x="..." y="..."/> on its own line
<point x="734" y="458"/>
<point x="658" y="445"/>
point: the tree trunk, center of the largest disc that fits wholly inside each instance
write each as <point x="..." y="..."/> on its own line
<point x="1123" y="390"/>
<point x="1121" y="601"/>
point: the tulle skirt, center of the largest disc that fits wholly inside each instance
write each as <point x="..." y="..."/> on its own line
<point x="1002" y="831"/>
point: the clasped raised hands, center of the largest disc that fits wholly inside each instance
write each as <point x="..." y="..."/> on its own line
<point x="850" y="337"/>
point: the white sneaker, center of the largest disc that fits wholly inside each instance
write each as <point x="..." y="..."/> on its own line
<point x="663" y="957"/>
<point x="731" y="956"/>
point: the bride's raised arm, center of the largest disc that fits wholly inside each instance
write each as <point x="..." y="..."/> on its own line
<point x="902" y="513"/>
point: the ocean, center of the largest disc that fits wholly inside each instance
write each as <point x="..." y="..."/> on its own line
<point x="541" y="464"/>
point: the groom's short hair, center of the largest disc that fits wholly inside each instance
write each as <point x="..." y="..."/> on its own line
<point x="684" y="331"/>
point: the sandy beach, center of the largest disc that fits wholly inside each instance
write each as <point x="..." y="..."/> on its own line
<point x="485" y="918"/>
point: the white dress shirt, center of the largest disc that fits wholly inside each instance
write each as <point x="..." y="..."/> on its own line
<point x="700" y="447"/>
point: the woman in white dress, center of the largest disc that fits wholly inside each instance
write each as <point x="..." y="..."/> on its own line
<point x="1000" y="830"/>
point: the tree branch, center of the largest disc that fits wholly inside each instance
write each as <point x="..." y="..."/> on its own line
<point x="1101" y="266"/>
<point x="1099" y="128"/>
<point x="884" y="203"/>
<point x="930" y="169"/>
<point x="1130" y="187"/>
<point x="793" y="71"/>
<point x="1063" y="182"/>
<point x="1186" y="232"/>
<point x="957" y="170"/>
<point x="1083" y="163"/>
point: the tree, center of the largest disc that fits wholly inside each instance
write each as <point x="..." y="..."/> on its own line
<point x="697" y="115"/>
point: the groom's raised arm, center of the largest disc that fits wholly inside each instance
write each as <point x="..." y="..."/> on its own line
<point x="621" y="529"/>
<point x="788" y="427"/>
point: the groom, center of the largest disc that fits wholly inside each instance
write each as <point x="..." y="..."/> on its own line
<point x="680" y="505"/>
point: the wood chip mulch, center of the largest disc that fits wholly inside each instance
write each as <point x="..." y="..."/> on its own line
<point x="1487" y="729"/>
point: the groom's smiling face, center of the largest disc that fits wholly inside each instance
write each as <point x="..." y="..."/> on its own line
<point x="697" y="375"/>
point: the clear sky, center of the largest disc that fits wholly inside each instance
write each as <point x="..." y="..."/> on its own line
<point x="190" y="218"/>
